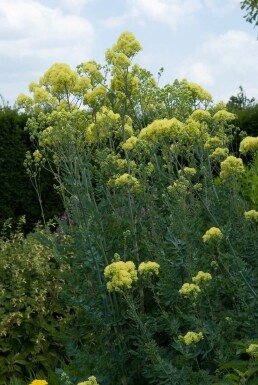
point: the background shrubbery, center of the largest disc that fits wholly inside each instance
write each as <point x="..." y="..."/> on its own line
<point x="17" y="195"/>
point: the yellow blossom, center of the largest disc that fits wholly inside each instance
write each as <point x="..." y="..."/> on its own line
<point x="249" y="144"/>
<point x="161" y="129"/>
<point x="201" y="115"/>
<point x="191" y="338"/>
<point x="180" y="186"/>
<point x="251" y="215"/>
<point x="201" y="277"/>
<point x="122" y="275"/>
<point x="223" y="116"/>
<point x="148" y="268"/>
<point x="190" y="290"/>
<point x="219" y="153"/>
<point x="39" y="382"/>
<point x="37" y="156"/>
<point x="231" y="167"/>
<point x="214" y="233"/>
<point x="252" y="350"/>
<point x="126" y="181"/>
<point x="93" y="96"/>
<point x="190" y="171"/>
<point x="91" y="381"/>
<point x="213" y="142"/>
<point x="130" y="143"/>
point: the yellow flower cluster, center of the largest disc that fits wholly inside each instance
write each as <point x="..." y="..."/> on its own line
<point x="39" y="382"/>
<point x="91" y="381"/>
<point x="252" y="350"/>
<point x="122" y="275"/>
<point x="231" y="167"/>
<point x="181" y="186"/>
<point x="127" y="44"/>
<point x="190" y="290"/>
<point x="223" y="116"/>
<point x="251" y="215"/>
<point x="219" y="153"/>
<point x="93" y="96"/>
<point x="126" y="181"/>
<point x="37" y="156"/>
<point x="201" y="115"/>
<point x="106" y="123"/>
<point x="59" y="78"/>
<point x="190" y="171"/>
<point x="130" y="143"/>
<point x="46" y="137"/>
<point x="249" y="144"/>
<point x="214" y="233"/>
<point x="213" y="143"/>
<point x="161" y="129"/>
<point x="201" y="277"/>
<point x="148" y="268"/>
<point x="191" y="338"/>
<point x="198" y="93"/>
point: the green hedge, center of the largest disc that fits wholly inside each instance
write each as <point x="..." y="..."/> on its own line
<point x="17" y="195"/>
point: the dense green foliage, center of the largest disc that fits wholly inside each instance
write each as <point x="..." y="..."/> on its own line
<point x="18" y="197"/>
<point x="158" y="253"/>
<point x="246" y="111"/>
<point x="32" y="316"/>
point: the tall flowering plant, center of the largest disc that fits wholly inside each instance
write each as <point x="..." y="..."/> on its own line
<point x="156" y="251"/>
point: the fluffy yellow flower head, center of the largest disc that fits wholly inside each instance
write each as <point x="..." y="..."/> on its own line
<point x="201" y="277"/>
<point x="190" y="290"/>
<point x="213" y="142"/>
<point x="223" y="116"/>
<point x="39" y="382"/>
<point x="231" y="167"/>
<point x="251" y="215"/>
<point x="126" y="181"/>
<point x="252" y="350"/>
<point x="190" y="171"/>
<point x="162" y="129"/>
<point x="219" y="153"/>
<point x="213" y="233"/>
<point x="201" y="115"/>
<point x="37" y="156"/>
<point x="130" y="143"/>
<point x="91" y="381"/>
<point x="249" y="144"/>
<point x="191" y="338"/>
<point x="148" y="268"/>
<point x="122" y="275"/>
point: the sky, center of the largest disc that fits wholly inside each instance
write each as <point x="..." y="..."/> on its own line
<point x="205" y="41"/>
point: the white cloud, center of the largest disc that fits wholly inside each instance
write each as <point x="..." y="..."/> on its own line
<point x="74" y="6"/>
<point x="34" y="36"/>
<point x="29" y="29"/>
<point x="221" y="7"/>
<point x="169" y="12"/>
<point x="223" y="63"/>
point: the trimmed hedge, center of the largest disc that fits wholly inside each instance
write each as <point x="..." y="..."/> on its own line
<point x="17" y="195"/>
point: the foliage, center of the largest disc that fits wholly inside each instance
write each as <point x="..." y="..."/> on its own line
<point x="251" y="7"/>
<point x="18" y="196"/>
<point x="147" y="175"/>
<point x="32" y="317"/>
<point x="242" y="370"/>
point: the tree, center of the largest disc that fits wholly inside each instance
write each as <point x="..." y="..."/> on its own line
<point x="251" y="8"/>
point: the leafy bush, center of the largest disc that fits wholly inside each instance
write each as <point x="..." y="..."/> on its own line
<point x="32" y="316"/>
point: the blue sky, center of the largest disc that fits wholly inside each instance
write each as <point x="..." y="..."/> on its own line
<point x="204" y="41"/>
